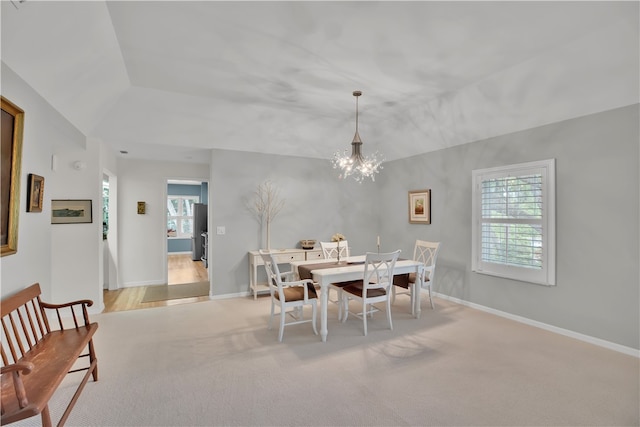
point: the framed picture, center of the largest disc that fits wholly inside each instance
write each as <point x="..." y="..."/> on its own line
<point x="420" y="207"/>
<point x="71" y="211"/>
<point x="11" y="145"/>
<point x="35" y="193"/>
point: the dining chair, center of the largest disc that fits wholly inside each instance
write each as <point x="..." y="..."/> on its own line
<point x="375" y="287"/>
<point x="330" y="250"/>
<point x="426" y="253"/>
<point x="289" y="294"/>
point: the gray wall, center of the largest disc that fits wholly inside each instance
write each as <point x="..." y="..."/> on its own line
<point x="317" y="205"/>
<point x="597" y="221"/>
<point x="597" y="162"/>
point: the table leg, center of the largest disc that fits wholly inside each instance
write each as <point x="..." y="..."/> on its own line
<point x="417" y="293"/>
<point x="324" y="290"/>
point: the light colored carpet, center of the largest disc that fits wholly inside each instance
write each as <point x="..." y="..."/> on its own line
<point x="214" y="363"/>
<point x="168" y="292"/>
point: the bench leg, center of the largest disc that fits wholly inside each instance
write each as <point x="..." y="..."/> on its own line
<point x="92" y="358"/>
<point x="46" y="417"/>
<point x="65" y="415"/>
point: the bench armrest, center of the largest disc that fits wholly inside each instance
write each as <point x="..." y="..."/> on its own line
<point x="88" y="302"/>
<point x="83" y="304"/>
<point x="16" y="369"/>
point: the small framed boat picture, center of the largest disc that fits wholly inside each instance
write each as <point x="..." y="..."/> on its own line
<point x="71" y="212"/>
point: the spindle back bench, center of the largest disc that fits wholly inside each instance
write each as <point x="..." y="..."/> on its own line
<point x="36" y="358"/>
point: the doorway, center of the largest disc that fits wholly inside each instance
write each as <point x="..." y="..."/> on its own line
<point x="180" y="267"/>
<point x="187" y="231"/>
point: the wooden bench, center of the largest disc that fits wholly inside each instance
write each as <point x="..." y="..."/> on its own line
<point x="35" y="358"/>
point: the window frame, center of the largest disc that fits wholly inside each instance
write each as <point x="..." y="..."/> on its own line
<point x="180" y="218"/>
<point x="546" y="275"/>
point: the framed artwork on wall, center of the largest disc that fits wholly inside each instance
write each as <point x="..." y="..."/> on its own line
<point x="11" y="147"/>
<point x="71" y="212"/>
<point x="35" y="193"/>
<point x="420" y="207"/>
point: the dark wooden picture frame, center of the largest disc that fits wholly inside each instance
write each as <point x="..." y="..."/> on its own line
<point x="420" y="207"/>
<point x="11" y="148"/>
<point x="71" y="212"/>
<point x="35" y="193"/>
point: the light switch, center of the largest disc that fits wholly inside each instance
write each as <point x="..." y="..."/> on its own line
<point x="221" y="230"/>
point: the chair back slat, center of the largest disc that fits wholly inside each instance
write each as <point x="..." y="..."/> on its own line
<point x="330" y="249"/>
<point x="273" y="273"/>
<point x="378" y="271"/>
<point x="427" y="253"/>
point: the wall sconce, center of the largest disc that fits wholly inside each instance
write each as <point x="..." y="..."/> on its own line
<point x="142" y="207"/>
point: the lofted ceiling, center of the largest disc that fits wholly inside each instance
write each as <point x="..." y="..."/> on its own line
<point x="173" y="79"/>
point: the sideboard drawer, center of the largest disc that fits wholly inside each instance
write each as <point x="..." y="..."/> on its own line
<point x="285" y="258"/>
<point x="314" y="254"/>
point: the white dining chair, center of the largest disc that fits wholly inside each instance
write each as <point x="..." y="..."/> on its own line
<point x="331" y="250"/>
<point x="426" y="253"/>
<point x="375" y="287"/>
<point x="290" y="295"/>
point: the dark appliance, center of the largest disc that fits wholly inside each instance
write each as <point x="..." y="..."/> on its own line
<point x="199" y="227"/>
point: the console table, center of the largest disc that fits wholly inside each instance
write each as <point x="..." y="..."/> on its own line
<point x="283" y="256"/>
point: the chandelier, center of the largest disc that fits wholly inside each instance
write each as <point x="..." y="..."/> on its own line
<point x="357" y="165"/>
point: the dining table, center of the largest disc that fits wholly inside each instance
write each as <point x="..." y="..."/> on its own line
<point x="325" y="272"/>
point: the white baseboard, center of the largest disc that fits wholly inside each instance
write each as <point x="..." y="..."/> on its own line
<point x="228" y="296"/>
<point x="566" y="332"/>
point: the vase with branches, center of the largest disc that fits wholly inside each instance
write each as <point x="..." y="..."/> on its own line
<point x="267" y="204"/>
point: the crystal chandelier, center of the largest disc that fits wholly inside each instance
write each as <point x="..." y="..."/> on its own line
<point x="357" y="165"/>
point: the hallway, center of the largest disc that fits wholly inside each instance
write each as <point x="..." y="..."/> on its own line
<point x="181" y="269"/>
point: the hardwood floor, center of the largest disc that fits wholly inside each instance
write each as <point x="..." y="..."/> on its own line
<point x="181" y="269"/>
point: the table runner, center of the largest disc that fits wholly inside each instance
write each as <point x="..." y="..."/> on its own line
<point x="304" y="271"/>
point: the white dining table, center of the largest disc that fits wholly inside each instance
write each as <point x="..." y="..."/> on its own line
<point x="352" y="268"/>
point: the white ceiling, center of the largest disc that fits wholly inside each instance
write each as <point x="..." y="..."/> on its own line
<point x="170" y="79"/>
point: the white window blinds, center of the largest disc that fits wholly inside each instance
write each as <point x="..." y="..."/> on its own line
<point x="514" y="222"/>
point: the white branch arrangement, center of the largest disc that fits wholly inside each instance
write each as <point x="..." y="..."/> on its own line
<point x="267" y="204"/>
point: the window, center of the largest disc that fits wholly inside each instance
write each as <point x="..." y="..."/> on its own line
<point x="514" y="222"/>
<point x="180" y="216"/>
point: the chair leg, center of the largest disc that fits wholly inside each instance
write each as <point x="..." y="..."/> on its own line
<point x="339" y="304"/>
<point x="413" y="294"/>
<point x="282" y="318"/>
<point x="430" y="297"/>
<point x="272" y="314"/>
<point x="389" y="314"/>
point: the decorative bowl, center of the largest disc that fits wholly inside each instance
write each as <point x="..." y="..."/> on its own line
<point x="307" y="244"/>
